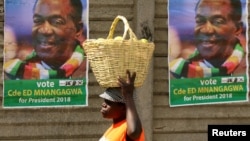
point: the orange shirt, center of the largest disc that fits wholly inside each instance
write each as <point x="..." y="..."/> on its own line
<point x="117" y="132"/>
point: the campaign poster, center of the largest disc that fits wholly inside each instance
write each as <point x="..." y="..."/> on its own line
<point x="208" y="48"/>
<point x="44" y="62"/>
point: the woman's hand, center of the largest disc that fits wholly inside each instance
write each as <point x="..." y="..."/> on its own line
<point x="127" y="86"/>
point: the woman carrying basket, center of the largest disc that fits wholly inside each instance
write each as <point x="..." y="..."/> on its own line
<point x="119" y="105"/>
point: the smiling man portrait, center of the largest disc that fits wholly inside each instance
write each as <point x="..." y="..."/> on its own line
<point x="219" y="50"/>
<point x="57" y="34"/>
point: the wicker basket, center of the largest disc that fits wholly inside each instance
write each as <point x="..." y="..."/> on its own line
<point x="110" y="58"/>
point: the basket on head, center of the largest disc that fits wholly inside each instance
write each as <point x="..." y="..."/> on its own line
<point x="110" y="58"/>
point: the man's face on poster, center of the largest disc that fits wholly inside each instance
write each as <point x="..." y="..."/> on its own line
<point x="215" y="31"/>
<point x="53" y="31"/>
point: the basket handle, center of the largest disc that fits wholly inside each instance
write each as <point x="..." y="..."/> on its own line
<point x="126" y="28"/>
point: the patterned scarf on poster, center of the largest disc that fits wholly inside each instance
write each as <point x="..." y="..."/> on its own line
<point x="35" y="70"/>
<point x="199" y="69"/>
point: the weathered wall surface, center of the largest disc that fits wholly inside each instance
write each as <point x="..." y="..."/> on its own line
<point x="183" y="123"/>
<point x="161" y="122"/>
<point x="86" y="123"/>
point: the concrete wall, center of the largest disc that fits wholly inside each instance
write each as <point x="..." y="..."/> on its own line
<point x="187" y="123"/>
<point x="161" y="122"/>
<point x="86" y="123"/>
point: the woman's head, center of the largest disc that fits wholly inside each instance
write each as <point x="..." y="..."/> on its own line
<point x="114" y="106"/>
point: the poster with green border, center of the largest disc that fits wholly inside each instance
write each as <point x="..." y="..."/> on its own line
<point x="208" y="90"/>
<point x="45" y="93"/>
<point x="44" y="62"/>
<point x="208" y="52"/>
